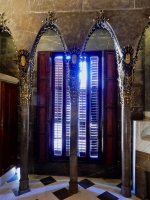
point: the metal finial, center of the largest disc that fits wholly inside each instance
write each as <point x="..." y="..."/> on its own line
<point x="100" y="16"/>
<point x="2" y="22"/>
<point x="51" y="18"/>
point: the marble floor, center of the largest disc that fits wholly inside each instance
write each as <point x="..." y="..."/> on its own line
<point x="44" y="187"/>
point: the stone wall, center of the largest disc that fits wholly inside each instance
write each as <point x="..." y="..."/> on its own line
<point x="127" y="18"/>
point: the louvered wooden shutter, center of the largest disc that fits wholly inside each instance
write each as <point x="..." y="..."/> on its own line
<point x="94" y="106"/>
<point x="82" y="108"/>
<point x="110" y="108"/>
<point x="43" y="104"/>
<point x="68" y="111"/>
<point x="58" y="106"/>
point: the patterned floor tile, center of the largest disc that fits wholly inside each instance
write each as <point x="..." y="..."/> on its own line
<point x="62" y="194"/>
<point x="107" y="196"/>
<point x="85" y="183"/>
<point x="119" y="185"/>
<point x="88" y="189"/>
<point x="47" y="180"/>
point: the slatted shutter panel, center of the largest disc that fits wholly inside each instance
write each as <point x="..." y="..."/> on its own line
<point x="43" y="102"/>
<point x="94" y="106"/>
<point x="58" y="105"/>
<point x="110" y="107"/>
<point x="82" y="110"/>
<point x="68" y="111"/>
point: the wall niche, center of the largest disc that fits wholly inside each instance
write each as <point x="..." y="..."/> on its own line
<point x="8" y="54"/>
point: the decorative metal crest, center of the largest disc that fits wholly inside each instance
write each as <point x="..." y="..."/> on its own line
<point x="23" y="65"/>
<point x="51" y="18"/>
<point x="128" y="60"/>
<point x="100" y="16"/>
<point x="23" y="62"/>
<point x="128" y="66"/>
<point x="74" y="74"/>
<point x="3" y="26"/>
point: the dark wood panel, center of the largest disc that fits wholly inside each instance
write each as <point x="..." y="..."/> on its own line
<point x="110" y="107"/>
<point x="109" y="120"/>
<point x="43" y="101"/>
<point x="111" y="90"/>
<point x="42" y="119"/>
<point x="43" y="147"/>
<point x="43" y="93"/>
<point x="9" y="100"/>
<point x="111" y="62"/>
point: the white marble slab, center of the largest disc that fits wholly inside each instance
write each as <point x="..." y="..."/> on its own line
<point x="141" y="131"/>
<point x="7" y="176"/>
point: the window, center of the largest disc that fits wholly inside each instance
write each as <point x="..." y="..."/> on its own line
<point x="54" y="106"/>
<point x="62" y="107"/>
<point x="88" y="129"/>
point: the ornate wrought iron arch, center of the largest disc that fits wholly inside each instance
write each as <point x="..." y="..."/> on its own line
<point x="139" y="46"/>
<point x="49" y="25"/>
<point x="101" y="22"/>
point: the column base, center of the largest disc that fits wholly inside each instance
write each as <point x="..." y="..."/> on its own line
<point x="73" y="187"/>
<point x="126" y="191"/>
<point x="23" y="187"/>
<point x="23" y="192"/>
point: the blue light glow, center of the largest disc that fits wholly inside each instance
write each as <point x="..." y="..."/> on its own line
<point x="83" y="74"/>
<point x="68" y="57"/>
<point x="59" y="57"/>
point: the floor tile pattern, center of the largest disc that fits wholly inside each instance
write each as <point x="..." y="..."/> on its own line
<point x="107" y="196"/>
<point x="44" y="187"/>
<point x="85" y="183"/>
<point x="62" y="194"/>
<point x="48" y="180"/>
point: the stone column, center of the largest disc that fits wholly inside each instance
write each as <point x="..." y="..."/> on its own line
<point x="73" y="184"/>
<point x="126" y="149"/>
<point x="23" y="63"/>
<point x="126" y="81"/>
<point x="74" y="90"/>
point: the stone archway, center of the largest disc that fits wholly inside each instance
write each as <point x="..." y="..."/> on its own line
<point x="125" y="80"/>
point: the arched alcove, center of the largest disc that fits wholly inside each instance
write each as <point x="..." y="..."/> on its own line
<point x="141" y="88"/>
<point x="49" y="40"/>
<point x="102" y="48"/>
<point x="8" y="53"/>
<point x="100" y="40"/>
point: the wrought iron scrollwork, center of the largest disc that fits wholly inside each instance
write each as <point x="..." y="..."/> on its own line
<point x="128" y="66"/>
<point x="49" y="24"/>
<point x="23" y="66"/>
<point x="74" y="74"/>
